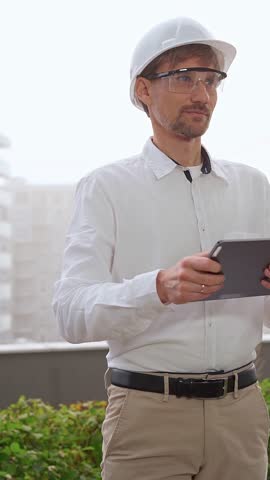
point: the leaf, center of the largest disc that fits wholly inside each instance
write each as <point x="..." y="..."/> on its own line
<point x="41" y="442"/>
<point x="15" y="447"/>
<point x="11" y="469"/>
<point x="7" y="451"/>
<point x="25" y="428"/>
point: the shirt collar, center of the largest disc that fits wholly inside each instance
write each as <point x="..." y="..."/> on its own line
<point x="162" y="165"/>
<point x="159" y="163"/>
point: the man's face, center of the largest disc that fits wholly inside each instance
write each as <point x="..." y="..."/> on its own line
<point x="185" y="114"/>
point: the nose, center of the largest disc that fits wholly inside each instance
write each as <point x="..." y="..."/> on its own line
<point x="199" y="92"/>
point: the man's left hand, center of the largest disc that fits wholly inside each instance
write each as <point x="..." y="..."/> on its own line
<point x="266" y="283"/>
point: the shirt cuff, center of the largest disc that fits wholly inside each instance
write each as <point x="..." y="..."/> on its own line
<point x="144" y="290"/>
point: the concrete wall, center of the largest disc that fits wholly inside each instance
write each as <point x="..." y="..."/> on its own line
<point x="56" y="377"/>
<point x="64" y="376"/>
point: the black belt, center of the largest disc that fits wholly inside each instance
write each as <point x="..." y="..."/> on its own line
<point x="183" y="387"/>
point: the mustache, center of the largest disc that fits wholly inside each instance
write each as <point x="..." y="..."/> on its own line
<point x="199" y="107"/>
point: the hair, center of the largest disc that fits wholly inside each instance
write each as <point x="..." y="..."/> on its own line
<point x="180" y="54"/>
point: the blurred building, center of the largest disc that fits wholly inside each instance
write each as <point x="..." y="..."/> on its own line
<point x="40" y="216"/>
<point x="5" y="243"/>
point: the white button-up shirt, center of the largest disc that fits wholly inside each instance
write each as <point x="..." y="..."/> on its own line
<point x="135" y="217"/>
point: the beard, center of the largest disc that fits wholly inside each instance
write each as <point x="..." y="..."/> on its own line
<point x="191" y="126"/>
<point x="189" y="129"/>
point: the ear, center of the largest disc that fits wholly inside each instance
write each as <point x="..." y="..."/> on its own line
<point x="143" y="90"/>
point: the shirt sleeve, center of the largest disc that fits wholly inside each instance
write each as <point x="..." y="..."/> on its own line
<point x="88" y="305"/>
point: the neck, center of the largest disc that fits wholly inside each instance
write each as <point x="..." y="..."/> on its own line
<point x="185" y="151"/>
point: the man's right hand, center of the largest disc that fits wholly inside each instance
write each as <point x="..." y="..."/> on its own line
<point x="192" y="279"/>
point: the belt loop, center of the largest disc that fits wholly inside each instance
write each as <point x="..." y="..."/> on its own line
<point x="166" y="387"/>
<point x="235" y="391"/>
<point x="107" y="378"/>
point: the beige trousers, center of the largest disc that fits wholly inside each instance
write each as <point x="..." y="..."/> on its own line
<point x="152" y="436"/>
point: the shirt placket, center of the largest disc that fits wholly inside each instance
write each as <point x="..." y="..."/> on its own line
<point x="209" y="323"/>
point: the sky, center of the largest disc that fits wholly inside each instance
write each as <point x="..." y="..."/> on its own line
<point x="64" y="83"/>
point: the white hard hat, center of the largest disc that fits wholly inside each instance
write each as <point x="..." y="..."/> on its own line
<point x="170" y="34"/>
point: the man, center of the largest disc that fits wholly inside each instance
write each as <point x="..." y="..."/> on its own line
<point x="183" y="398"/>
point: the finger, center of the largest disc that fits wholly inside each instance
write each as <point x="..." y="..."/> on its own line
<point x="266" y="284"/>
<point x="189" y="287"/>
<point x="202" y="278"/>
<point x="194" y="297"/>
<point x="202" y="264"/>
<point x="267" y="272"/>
<point x="207" y="290"/>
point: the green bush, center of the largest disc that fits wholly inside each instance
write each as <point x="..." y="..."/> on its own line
<point x="265" y="386"/>
<point x="39" y="442"/>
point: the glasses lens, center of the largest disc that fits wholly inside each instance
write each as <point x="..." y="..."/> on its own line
<point x="185" y="82"/>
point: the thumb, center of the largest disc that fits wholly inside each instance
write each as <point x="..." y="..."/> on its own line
<point x="203" y="254"/>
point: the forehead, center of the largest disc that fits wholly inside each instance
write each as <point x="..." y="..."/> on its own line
<point x="190" y="62"/>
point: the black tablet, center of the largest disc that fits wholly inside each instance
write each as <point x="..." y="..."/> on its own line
<point x="243" y="263"/>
